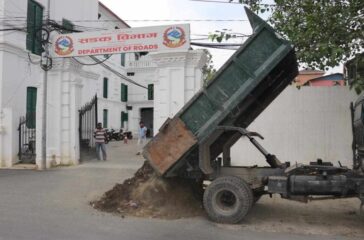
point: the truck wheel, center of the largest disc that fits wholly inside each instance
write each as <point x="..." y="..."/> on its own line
<point x="228" y="199"/>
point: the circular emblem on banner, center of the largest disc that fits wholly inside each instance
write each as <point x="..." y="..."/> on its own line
<point x="64" y="46"/>
<point x="174" y="37"/>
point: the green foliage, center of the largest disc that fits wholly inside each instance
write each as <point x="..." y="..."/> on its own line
<point x="354" y="72"/>
<point x="219" y="36"/>
<point x="208" y="69"/>
<point x="325" y="33"/>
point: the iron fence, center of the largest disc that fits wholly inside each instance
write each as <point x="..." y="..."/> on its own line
<point x="87" y="125"/>
<point x="27" y="139"/>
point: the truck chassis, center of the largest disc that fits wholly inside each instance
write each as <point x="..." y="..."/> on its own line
<point x="234" y="190"/>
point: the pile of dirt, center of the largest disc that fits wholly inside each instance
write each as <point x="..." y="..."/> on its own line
<point x="148" y="195"/>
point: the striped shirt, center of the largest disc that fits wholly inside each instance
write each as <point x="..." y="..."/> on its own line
<point x="99" y="135"/>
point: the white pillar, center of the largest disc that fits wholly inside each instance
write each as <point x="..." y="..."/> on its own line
<point x="7" y="129"/>
<point x="177" y="79"/>
<point x="75" y="100"/>
<point x="39" y="130"/>
<point x="64" y="101"/>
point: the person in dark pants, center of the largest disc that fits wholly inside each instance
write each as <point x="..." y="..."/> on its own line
<point x="100" y="141"/>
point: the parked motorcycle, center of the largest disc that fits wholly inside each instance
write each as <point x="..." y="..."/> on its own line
<point x="112" y="134"/>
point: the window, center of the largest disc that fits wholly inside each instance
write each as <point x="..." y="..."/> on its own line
<point x="124" y="92"/>
<point x="106" y="80"/>
<point x="105" y="118"/>
<point x="31" y="107"/>
<point x="67" y="25"/>
<point x="122" y="59"/>
<point x="124" y="118"/>
<point x="34" y="26"/>
<point x="150" y="91"/>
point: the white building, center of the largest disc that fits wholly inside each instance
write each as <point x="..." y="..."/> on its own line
<point x="71" y="84"/>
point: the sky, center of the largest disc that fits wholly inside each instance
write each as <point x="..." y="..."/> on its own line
<point x="188" y="10"/>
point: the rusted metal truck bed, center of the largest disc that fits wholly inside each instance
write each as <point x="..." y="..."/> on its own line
<point x="244" y="86"/>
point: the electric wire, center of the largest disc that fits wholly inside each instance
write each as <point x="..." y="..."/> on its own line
<point x="12" y="29"/>
<point x="18" y="87"/>
<point x="92" y="64"/>
<point x="232" y="2"/>
<point x="31" y="61"/>
<point x="142" y="20"/>
<point x="211" y="1"/>
<point x="166" y="20"/>
<point x="56" y="26"/>
<point x="117" y="73"/>
<point x="102" y="63"/>
<point x="216" y="44"/>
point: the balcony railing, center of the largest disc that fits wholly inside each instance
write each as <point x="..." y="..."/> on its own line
<point x="140" y="64"/>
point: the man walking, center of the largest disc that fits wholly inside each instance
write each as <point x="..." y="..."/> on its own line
<point x="100" y="139"/>
<point x="142" y="136"/>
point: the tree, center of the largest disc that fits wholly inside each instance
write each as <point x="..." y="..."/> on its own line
<point x="325" y="32"/>
<point x="208" y="69"/>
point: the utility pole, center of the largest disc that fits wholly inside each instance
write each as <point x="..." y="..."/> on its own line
<point x="45" y="57"/>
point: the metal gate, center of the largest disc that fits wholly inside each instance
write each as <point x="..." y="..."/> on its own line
<point x="87" y="125"/>
<point x="26" y="151"/>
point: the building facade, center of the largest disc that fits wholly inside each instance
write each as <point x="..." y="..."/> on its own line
<point x="73" y="82"/>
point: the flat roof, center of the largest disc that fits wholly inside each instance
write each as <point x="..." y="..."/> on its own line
<point x="331" y="77"/>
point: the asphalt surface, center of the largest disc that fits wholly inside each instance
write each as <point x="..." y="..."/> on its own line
<point x="54" y="204"/>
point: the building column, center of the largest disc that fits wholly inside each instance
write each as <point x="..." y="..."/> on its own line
<point x="39" y="123"/>
<point x="75" y="100"/>
<point x="7" y="138"/>
<point x="176" y="81"/>
<point x="64" y="101"/>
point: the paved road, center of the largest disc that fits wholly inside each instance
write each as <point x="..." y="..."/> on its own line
<point x="53" y="204"/>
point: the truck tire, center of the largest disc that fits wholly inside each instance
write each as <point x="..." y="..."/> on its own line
<point x="228" y="199"/>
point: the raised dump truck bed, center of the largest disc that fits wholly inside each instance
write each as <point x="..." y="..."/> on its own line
<point x="189" y="145"/>
<point x="244" y="86"/>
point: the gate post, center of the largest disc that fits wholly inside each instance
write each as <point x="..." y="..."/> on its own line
<point x="95" y="111"/>
<point x="19" y="138"/>
<point x="87" y="124"/>
<point x="80" y="132"/>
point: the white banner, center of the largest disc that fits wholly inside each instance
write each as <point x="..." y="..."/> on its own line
<point x="143" y="39"/>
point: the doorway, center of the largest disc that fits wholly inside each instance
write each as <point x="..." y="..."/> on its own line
<point x="146" y="115"/>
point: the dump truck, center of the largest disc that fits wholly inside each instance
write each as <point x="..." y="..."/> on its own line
<point x="195" y="144"/>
